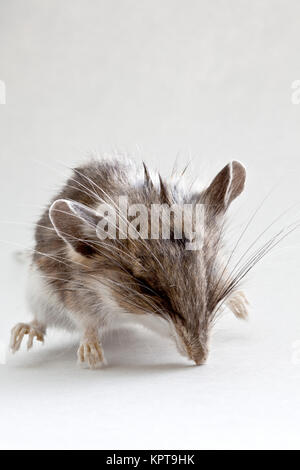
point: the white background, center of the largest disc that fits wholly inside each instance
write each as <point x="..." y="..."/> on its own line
<point x="206" y="81"/>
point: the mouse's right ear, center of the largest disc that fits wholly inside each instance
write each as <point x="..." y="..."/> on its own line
<point x="75" y="223"/>
<point x="225" y="187"/>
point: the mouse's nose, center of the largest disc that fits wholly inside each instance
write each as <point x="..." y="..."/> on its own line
<point x="200" y="356"/>
<point x="200" y="362"/>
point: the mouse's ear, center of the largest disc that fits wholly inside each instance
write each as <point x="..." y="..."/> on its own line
<point x="226" y="186"/>
<point x="75" y="223"/>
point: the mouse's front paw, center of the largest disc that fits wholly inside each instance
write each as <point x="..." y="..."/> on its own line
<point x="91" y="354"/>
<point x="22" y="329"/>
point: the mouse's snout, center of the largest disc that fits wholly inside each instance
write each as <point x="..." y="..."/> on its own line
<point x="199" y="350"/>
<point x="199" y="361"/>
<point x="192" y="346"/>
<point x="200" y="356"/>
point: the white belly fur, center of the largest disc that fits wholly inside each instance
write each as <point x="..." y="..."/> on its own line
<point x="44" y="303"/>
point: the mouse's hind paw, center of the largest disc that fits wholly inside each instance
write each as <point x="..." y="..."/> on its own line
<point x="20" y="330"/>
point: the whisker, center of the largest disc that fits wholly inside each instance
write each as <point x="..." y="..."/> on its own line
<point x="261" y="253"/>
<point x="255" y="241"/>
<point x="243" y="233"/>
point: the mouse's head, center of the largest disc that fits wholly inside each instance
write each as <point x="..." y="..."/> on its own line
<point x="162" y="277"/>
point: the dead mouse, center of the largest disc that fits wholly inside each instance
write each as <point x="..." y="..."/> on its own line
<point x="83" y="277"/>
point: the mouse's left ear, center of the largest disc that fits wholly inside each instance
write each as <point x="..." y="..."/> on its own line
<point x="75" y="223"/>
<point x="226" y="186"/>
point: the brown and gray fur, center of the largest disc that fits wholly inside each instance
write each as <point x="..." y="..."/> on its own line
<point x="80" y="282"/>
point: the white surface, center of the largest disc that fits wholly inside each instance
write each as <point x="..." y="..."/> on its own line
<point x="208" y="79"/>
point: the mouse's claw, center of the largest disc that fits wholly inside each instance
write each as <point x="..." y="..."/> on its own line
<point x="18" y="333"/>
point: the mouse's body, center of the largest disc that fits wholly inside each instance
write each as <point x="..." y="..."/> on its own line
<point x="81" y="281"/>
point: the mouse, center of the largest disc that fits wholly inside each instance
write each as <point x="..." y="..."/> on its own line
<point x="95" y="266"/>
